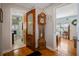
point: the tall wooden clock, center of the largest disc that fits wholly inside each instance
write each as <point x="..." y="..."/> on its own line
<point x="41" y="27"/>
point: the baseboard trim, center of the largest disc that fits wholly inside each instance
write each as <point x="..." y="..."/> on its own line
<point x="6" y="51"/>
<point x="52" y="49"/>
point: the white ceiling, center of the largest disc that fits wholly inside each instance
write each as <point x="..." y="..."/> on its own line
<point x="67" y="10"/>
<point x="34" y="5"/>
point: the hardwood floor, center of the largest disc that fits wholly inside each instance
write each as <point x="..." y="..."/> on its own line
<point x="65" y="48"/>
<point x="47" y="52"/>
<point x="26" y="51"/>
<point x="19" y="52"/>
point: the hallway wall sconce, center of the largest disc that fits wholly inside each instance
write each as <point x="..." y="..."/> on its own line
<point x="1" y="15"/>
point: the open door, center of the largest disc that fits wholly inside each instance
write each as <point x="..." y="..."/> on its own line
<point x="30" y="29"/>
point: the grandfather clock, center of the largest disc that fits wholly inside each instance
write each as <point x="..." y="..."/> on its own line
<point x="41" y="27"/>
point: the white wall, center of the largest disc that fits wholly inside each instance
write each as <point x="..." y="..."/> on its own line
<point x="36" y="33"/>
<point x="50" y="28"/>
<point x="6" y="29"/>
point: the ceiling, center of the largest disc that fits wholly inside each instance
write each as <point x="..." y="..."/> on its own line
<point x="67" y="10"/>
<point x="34" y="5"/>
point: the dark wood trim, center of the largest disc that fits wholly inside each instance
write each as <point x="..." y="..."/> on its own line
<point x="69" y="32"/>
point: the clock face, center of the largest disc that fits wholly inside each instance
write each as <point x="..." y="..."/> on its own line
<point x="41" y="20"/>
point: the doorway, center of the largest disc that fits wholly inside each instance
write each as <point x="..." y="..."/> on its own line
<point x="66" y="36"/>
<point x="17" y="31"/>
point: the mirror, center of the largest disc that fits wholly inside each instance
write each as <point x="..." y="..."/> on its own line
<point x="30" y="24"/>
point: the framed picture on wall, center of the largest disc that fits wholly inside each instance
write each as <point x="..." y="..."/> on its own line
<point x="74" y="22"/>
<point x="1" y="15"/>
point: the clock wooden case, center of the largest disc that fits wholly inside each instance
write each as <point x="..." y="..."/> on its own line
<point x="41" y="27"/>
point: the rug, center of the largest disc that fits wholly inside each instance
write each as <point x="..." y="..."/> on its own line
<point x="35" y="53"/>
